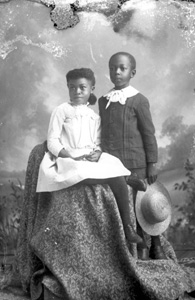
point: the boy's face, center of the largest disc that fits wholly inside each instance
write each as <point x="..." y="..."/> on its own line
<point x="121" y="71"/>
<point x="79" y="90"/>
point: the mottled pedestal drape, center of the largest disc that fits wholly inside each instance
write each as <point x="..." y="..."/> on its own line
<point x="72" y="243"/>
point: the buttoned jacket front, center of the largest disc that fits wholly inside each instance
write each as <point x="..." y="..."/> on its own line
<point x="127" y="131"/>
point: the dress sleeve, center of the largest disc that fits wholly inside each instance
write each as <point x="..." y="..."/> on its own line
<point x="98" y="135"/>
<point x="54" y="131"/>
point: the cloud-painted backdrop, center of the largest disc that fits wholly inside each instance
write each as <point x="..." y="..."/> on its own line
<point x="35" y="57"/>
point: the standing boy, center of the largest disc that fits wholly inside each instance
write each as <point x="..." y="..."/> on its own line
<point x="128" y="132"/>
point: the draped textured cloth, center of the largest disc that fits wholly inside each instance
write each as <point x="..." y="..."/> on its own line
<point x="72" y="243"/>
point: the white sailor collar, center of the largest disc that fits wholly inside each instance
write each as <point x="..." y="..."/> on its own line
<point x="120" y="95"/>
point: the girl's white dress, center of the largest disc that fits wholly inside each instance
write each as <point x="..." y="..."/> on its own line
<point x="77" y="130"/>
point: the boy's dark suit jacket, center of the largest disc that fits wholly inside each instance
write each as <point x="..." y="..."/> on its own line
<point x="128" y="132"/>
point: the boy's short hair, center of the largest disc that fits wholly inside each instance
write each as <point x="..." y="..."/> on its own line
<point x="130" y="57"/>
<point x="81" y="73"/>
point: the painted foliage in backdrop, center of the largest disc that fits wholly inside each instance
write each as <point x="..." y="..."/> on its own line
<point x="36" y="53"/>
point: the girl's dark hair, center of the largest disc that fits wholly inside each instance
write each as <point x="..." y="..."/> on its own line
<point x="83" y="73"/>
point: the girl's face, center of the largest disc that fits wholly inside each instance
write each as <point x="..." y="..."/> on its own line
<point x="80" y="90"/>
<point x="121" y="71"/>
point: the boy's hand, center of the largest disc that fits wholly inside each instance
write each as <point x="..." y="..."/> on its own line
<point x="94" y="155"/>
<point x="151" y="173"/>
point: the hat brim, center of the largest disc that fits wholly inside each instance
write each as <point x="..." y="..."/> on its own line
<point x="157" y="228"/>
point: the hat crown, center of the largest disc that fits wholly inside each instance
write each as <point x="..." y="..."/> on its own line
<point x="155" y="207"/>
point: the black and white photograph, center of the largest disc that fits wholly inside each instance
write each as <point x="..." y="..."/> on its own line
<point x="97" y="150"/>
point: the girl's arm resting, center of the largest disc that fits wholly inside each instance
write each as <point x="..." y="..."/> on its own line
<point x="97" y="140"/>
<point x="94" y="156"/>
<point x="97" y="148"/>
<point x="64" y="154"/>
<point x="54" y="132"/>
<point x="54" y="146"/>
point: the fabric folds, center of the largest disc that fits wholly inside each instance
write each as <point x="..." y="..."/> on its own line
<point x="72" y="243"/>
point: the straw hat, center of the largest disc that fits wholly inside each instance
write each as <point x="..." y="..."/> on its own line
<point x="153" y="209"/>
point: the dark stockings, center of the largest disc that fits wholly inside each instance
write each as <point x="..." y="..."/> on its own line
<point x="119" y="188"/>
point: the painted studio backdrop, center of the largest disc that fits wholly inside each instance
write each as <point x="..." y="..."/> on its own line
<point x="38" y="46"/>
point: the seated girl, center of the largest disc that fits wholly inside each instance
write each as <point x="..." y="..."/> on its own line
<point x="74" y="149"/>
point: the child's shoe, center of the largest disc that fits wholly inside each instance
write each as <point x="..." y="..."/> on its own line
<point x="131" y="235"/>
<point x="142" y="251"/>
<point x="136" y="183"/>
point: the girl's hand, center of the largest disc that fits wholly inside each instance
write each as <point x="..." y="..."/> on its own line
<point x="94" y="156"/>
<point x="151" y="173"/>
<point x="64" y="154"/>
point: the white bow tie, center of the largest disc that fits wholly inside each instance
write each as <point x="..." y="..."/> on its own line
<point x="120" y="95"/>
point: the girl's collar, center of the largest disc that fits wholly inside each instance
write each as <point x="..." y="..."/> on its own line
<point x="79" y="105"/>
<point x="120" y="95"/>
